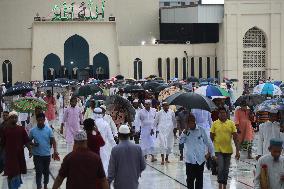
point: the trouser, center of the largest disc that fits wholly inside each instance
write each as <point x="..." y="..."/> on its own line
<point x="223" y="163"/>
<point x="23" y="123"/>
<point x="194" y="173"/>
<point x="180" y="147"/>
<point x="42" y="168"/>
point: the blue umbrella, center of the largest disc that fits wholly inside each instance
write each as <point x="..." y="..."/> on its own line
<point x="272" y="105"/>
<point x="267" y="89"/>
<point x="277" y="83"/>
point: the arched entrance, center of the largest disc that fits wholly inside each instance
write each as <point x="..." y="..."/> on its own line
<point x="254" y="56"/>
<point x="101" y="66"/>
<point x="76" y="55"/>
<point x="51" y="67"/>
<point x="7" y="72"/>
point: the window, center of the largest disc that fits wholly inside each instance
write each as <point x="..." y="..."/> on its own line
<point x="168" y="69"/>
<point x="254" y="56"/>
<point x="200" y="67"/>
<point x="176" y="67"/>
<point x="167" y="3"/>
<point x="140" y="69"/>
<point x="182" y="3"/>
<point x="192" y="66"/>
<point x="137" y="68"/>
<point x="160" y="67"/>
<point x="183" y="68"/>
<point x="216" y="68"/>
<point x="7" y="72"/>
<point x="208" y="67"/>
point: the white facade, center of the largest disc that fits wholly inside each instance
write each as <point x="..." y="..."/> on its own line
<point x="253" y="40"/>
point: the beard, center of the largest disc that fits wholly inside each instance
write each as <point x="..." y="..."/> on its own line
<point x="276" y="159"/>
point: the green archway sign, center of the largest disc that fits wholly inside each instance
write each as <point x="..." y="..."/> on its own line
<point x="65" y="12"/>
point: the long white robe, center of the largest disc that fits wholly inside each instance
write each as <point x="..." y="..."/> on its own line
<point x="137" y="122"/>
<point x="165" y="123"/>
<point x="267" y="131"/>
<point x="275" y="170"/>
<point x="147" y="142"/>
<point x="203" y="119"/>
<point x="106" y="134"/>
<point x="112" y="125"/>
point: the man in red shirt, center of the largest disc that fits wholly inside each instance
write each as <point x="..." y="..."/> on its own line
<point x="82" y="167"/>
<point x="14" y="139"/>
<point x="95" y="142"/>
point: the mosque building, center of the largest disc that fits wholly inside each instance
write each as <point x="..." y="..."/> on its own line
<point x="78" y="39"/>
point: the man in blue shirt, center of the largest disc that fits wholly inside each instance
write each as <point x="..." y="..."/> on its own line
<point x="196" y="143"/>
<point x="42" y="137"/>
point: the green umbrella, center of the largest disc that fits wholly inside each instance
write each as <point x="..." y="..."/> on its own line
<point x="28" y="104"/>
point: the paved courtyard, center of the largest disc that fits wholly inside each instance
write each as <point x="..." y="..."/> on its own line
<point x="156" y="176"/>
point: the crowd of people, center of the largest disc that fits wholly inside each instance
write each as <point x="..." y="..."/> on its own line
<point x="103" y="150"/>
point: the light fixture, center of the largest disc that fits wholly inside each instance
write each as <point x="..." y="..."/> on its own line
<point x="143" y="42"/>
<point x="154" y="41"/>
<point x="71" y="62"/>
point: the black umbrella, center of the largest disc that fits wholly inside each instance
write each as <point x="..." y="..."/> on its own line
<point x="192" y="79"/>
<point x="123" y="105"/>
<point x="151" y="85"/>
<point x="176" y="84"/>
<point x="87" y="90"/>
<point x="191" y="101"/>
<point x="52" y="86"/>
<point x="161" y="87"/>
<point x="18" y="90"/>
<point x="65" y="81"/>
<point x="251" y="100"/>
<point x="119" y="77"/>
<point x="133" y="89"/>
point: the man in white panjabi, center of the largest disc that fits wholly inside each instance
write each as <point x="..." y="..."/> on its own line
<point x="165" y="122"/>
<point x="273" y="165"/>
<point x="203" y="119"/>
<point x="267" y="131"/>
<point x="136" y="124"/>
<point x="106" y="133"/>
<point x="147" y="118"/>
<point x="110" y="121"/>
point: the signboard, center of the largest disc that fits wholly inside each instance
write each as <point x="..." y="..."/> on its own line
<point x="87" y="11"/>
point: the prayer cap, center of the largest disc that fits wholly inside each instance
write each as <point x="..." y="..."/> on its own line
<point x="13" y="113"/>
<point x="80" y="136"/>
<point x="98" y="111"/>
<point x="276" y="142"/>
<point x="165" y="103"/>
<point x="124" y="129"/>
<point x="136" y="100"/>
<point x="148" y="101"/>
<point x="103" y="107"/>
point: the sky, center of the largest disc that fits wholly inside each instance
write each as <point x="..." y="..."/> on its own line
<point x="212" y="1"/>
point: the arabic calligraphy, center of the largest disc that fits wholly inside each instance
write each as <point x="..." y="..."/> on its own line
<point x="66" y="12"/>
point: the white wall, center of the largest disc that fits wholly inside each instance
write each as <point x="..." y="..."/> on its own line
<point x="136" y="20"/>
<point x="150" y="54"/>
<point x="240" y="16"/>
<point x="49" y="37"/>
<point x="21" y="63"/>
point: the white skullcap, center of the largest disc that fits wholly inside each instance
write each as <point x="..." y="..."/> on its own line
<point x="80" y="136"/>
<point x="136" y="100"/>
<point x="148" y="101"/>
<point x="165" y="103"/>
<point x="124" y="129"/>
<point x="13" y="113"/>
<point x="98" y="111"/>
<point x="103" y="107"/>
